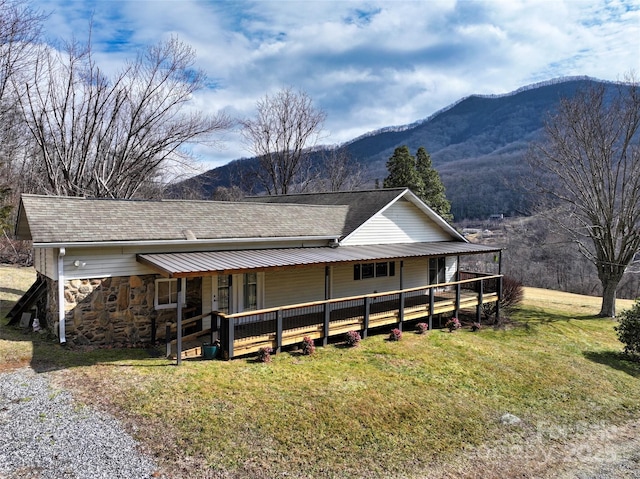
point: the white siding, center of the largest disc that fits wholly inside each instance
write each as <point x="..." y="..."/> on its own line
<point x="291" y="286"/>
<point x="45" y="262"/>
<point x="102" y="263"/>
<point x="402" y="222"/>
<point x="416" y="272"/>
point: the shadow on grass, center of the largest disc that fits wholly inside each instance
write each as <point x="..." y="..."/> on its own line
<point x="46" y="354"/>
<point x="536" y="315"/>
<point x="16" y="292"/>
<point x="616" y="360"/>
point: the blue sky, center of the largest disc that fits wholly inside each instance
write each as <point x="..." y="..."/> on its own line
<point x="367" y="64"/>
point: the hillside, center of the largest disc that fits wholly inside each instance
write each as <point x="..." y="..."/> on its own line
<point x="547" y="395"/>
<point x="477" y="144"/>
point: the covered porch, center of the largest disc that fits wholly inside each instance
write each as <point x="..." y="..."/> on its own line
<point x="242" y="333"/>
<point x="245" y="333"/>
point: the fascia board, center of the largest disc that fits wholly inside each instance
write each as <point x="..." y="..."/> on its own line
<point x="93" y="244"/>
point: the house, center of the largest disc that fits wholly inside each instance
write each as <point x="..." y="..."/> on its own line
<point x="129" y="271"/>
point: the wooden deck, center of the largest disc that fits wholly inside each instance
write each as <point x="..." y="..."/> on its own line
<point x="246" y="333"/>
<point x="252" y="344"/>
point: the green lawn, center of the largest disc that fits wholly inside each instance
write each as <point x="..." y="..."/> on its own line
<point x="382" y="409"/>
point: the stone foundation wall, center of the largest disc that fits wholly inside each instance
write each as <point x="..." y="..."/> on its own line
<point x="109" y="311"/>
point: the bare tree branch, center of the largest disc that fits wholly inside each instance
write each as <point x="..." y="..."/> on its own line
<point x="281" y="135"/>
<point x="114" y="137"/>
<point x="590" y="170"/>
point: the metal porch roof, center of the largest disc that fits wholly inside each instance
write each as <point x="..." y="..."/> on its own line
<point x="179" y="265"/>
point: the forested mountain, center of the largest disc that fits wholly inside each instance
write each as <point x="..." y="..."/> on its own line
<point x="477" y="145"/>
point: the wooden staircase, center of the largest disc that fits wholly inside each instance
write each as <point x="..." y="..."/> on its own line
<point x="191" y="343"/>
<point x="29" y="298"/>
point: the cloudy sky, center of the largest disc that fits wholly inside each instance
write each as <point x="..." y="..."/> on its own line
<point x="367" y="64"/>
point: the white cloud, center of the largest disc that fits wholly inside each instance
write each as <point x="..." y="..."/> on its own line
<point x="368" y="64"/>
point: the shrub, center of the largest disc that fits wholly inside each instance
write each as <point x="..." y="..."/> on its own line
<point x="308" y="347"/>
<point x="422" y="328"/>
<point x="395" y="335"/>
<point x="476" y="327"/>
<point x="264" y="354"/>
<point x="512" y="295"/>
<point x="453" y="324"/>
<point x="628" y="330"/>
<point x="353" y="338"/>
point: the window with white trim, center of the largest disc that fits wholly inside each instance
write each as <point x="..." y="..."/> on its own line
<point x="250" y="293"/>
<point x="166" y="293"/>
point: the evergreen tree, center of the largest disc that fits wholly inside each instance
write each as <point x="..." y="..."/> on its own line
<point x="434" y="192"/>
<point x="419" y="176"/>
<point x="402" y="171"/>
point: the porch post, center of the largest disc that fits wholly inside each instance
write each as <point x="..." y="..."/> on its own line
<point x="432" y="301"/>
<point x="230" y="336"/>
<point x="480" y="300"/>
<point x="401" y="305"/>
<point x="167" y="338"/>
<point x="499" y="286"/>
<point x="327" y="306"/>
<point x="457" y="305"/>
<point x="327" y="318"/>
<point x="179" y="321"/>
<point x="279" y="331"/>
<point x="367" y="310"/>
<point x="327" y="285"/>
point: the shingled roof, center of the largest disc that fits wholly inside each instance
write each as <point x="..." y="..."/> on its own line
<point x="50" y="219"/>
<point x="362" y="204"/>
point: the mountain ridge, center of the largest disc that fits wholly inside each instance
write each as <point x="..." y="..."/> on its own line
<point x="478" y="145"/>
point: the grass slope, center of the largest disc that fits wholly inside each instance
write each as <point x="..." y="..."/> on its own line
<point x="382" y="409"/>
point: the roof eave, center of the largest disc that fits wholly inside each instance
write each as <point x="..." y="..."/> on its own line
<point x="90" y="244"/>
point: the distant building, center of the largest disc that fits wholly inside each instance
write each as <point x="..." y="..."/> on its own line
<point x="496" y="217"/>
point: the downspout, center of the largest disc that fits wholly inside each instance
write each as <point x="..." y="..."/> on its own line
<point x="61" y="312"/>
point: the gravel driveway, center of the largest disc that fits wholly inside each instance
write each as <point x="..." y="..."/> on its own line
<point x="45" y="434"/>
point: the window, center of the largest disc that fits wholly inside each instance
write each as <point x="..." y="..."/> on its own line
<point x="374" y="270"/>
<point x="166" y="293"/>
<point x="250" y="291"/>
<point x="382" y="269"/>
<point x="437" y="270"/>
<point x="224" y="283"/>
<point x="368" y="271"/>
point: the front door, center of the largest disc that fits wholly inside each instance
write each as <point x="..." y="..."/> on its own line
<point x="235" y="293"/>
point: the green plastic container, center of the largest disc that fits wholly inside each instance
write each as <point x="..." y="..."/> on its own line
<point x="209" y="351"/>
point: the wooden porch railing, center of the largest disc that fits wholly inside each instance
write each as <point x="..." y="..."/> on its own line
<point x="247" y="332"/>
<point x="171" y="330"/>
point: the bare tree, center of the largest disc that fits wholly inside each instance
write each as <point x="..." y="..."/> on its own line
<point x="589" y="167"/>
<point x="231" y="193"/>
<point x="20" y="30"/>
<point x="116" y="137"/>
<point x="341" y="172"/>
<point x="286" y="127"/>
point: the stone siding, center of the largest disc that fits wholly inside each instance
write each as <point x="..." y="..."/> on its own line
<point x="109" y="311"/>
